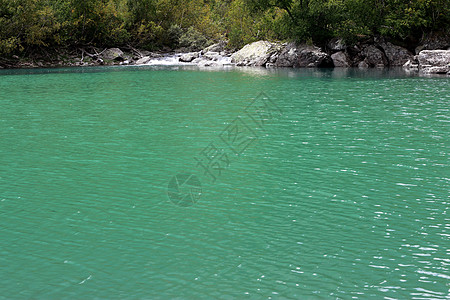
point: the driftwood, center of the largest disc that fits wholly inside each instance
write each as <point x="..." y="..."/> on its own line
<point x="135" y="51"/>
<point x="95" y="56"/>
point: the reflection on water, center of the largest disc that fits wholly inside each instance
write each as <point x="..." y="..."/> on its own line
<point x="257" y="71"/>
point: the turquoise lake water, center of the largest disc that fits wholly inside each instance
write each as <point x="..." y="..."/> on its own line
<point x="246" y="183"/>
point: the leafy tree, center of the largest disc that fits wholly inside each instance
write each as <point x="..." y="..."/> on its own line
<point x="30" y="25"/>
<point x="97" y="22"/>
<point x="27" y="23"/>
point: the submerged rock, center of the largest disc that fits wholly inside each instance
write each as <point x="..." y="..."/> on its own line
<point x="434" y="61"/>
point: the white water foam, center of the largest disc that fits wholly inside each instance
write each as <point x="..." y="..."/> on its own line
<point x="173" y="60"/>
<point x="170" y="60"/>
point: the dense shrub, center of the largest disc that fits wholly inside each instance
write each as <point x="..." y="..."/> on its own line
<point x="29" y="25"/>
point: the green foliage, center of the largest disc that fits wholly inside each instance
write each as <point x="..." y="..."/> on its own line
<point x="97" y="22"/>
<point x="193" y="40"/>
<point x="171" y="23"/>
<point x="141" y="11"/>
<point x="27" y="25"/>
<point x="239" y="25"/>
<point x="405" y="18"/>
<point x="244" y="25"/>
<point x="8" y="45"/>
<point x="320" y="20"/>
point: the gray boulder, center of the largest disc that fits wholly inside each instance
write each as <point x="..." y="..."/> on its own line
<point x="302" y="56"/>
<point x="287" y="57"/>
<point x="396" y="55"/>
<point x="113" y="54"/>
<point x="434" y="61"/>
<point x="188" y="57"/>
<point x="340" y="59"/>
<point x="312" y="57"/>
<point x="374" y="57"/>
<point x="254" y="54"/>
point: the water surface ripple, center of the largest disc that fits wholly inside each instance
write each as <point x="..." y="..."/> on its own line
<point x="342" y="195"/>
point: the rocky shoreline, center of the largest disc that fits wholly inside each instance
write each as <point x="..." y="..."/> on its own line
<point x="376" y="53"/>
<point x="432" y="57"/>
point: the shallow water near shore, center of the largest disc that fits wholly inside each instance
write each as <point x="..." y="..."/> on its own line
<point x="308" y="183"/>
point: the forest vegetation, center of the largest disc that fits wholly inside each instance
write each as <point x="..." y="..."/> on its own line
<point x="28" y="26"/>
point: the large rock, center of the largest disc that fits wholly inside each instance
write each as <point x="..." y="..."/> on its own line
<point x="113" y="54"/>
<point x="374" y="57"/>
<point x="340" y="59"/>
<point x="354" y="54"/>
<point x="434" y="61"/>
<point x="188" y="57"/>
<point x="313" y="57"/>
<point x="303" y="56"/>
<point x="287" y="57"/>
<point x="254" y="54"/>
<point x="396" y="55"/>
